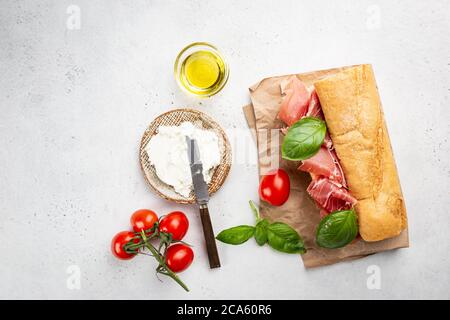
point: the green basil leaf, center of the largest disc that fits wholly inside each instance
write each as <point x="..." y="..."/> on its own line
<point x="337" y="229"/>
<point x="303" y="139"/>
<point x="261" y="232"/>
<point x="283" y="238"/>
<point x="236" y="235"/>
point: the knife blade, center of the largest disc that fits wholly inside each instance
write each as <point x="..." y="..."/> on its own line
<point x="200" y="186"/>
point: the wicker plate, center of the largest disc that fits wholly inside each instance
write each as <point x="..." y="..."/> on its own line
<point x="175" y="118"/>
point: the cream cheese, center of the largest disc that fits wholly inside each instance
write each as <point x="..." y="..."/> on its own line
<point x="167" y="152"/>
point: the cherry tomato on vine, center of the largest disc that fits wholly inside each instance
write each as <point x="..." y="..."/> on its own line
<point x="179" y="257"/>
<point x="274" y="187"/>
<point x="117" y="243"/>
<point x="175" y="223"/>
<point x="143" y="219"/>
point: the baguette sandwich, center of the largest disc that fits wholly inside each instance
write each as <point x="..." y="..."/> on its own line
<point x="352" y="166"/>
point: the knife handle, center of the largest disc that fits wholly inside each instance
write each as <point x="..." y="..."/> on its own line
<point x="213" y="255"/>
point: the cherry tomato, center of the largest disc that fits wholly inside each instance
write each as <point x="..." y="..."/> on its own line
<point x="275" y="187"/>
<point x="143" y="220"/>
<point x="175" y="223"/>
<point x="179" y="257"/>
<point x="119" y="241"/>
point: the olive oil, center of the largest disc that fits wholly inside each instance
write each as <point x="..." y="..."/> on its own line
<point x="202" y="70"/>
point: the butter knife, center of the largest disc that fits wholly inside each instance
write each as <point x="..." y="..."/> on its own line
<point x="202" y="198"/>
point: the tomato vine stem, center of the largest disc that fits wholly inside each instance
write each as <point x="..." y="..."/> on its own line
<point x="162" y="263"/>
<point x="144" y="237"/>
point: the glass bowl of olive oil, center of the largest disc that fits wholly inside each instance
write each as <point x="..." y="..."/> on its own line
<point x="200" y="69"/>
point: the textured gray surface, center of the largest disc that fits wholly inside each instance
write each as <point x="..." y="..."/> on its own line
<point x="74" y="104"/>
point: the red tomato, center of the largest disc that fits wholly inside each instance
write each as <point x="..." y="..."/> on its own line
<point x="275" y="187"/>
<point x="175" y="223"/>
<point x="119" y="241"/>
<point x="143" y="220"/>
<point x="179" y="257"/>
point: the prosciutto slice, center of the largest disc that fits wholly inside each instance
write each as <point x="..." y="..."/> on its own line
<point x="329" y="196"/>
<point x="327" y="142"/>
<point x="324" y="163"/>
<point x="296" y="101"/>
<point x="314" y="109"/>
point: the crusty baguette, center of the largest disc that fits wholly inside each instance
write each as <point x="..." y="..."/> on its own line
<point x="355" y="121"/>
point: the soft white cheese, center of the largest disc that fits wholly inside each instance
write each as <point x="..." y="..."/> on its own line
<point x="167" y="152"/>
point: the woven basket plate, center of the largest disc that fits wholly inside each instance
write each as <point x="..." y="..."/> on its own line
<point x="175" y="118"/>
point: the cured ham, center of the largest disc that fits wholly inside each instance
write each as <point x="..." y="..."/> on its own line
<point x="314" y="109"/>
<point x="324" y="163"/>
<point x="330" y="196"/>
<point x="327" y="142"/>
<point x="328" y="187"/>
<point x="296" y="101"/>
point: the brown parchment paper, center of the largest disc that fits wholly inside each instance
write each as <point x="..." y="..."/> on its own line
<point x="299" y="211"/>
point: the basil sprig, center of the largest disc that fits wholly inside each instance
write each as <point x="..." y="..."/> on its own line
<point x="278" y="235"/>
<point x="337" y="229"/>
<point x="303" y="139"/>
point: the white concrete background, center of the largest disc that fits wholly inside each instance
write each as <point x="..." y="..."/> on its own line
<point x="74" y="104"/>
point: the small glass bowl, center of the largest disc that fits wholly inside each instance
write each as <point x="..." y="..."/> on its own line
<point x="180" y="75"/>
